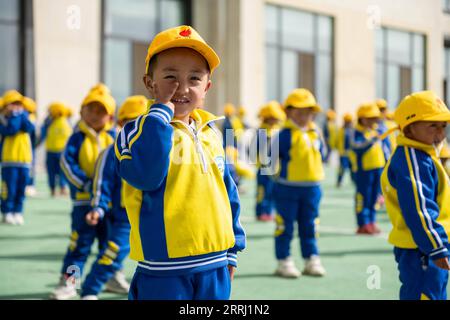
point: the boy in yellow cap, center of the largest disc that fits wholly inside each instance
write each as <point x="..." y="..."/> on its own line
<point x="30" y="106"/>
<point x="330" y="131"/>
<point x="92" y="134"/>
<point x="417" y="193"/>
<point x="181" y="201"/>
<point x="107" y="204"/>
<point x="56" y="132"/>
<point x="272" y="117"/>
<point x="343" y="146"/>
<point x="299" y="151"/>
<point x="17" y="156"/>
<point x="369" y="160"/>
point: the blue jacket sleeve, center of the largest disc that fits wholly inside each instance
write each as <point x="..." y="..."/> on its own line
<point x="105" y="180"/>
<point x="11" y="125"/>
<point x="26" y="124"/>
<point x="359" y="144"/>
<point x="416" y="180"/>
<point x="44" y="129"/>
<point x="143" y="147"/>
<point x="69" y="164"/>
<point x="239" y="233"/>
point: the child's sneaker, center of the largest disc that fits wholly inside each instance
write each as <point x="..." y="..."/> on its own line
<point x="313" y="267"/>
<point x="63" y="191"/>
<point x="287" y="269"/>
<point x="265" y="217"/>
<point x="89" y="297"/>
<point x="18" y="219"/>
<point x="9" y="219"/>
<point x="64" y="291"/>
<point x="118" y="284"/>
<point x="374" y="228"/>
<point x="365" y="229"/>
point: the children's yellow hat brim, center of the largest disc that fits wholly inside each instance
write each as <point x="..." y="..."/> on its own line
<point x="272" y="110"/>
<point x="11" y="96"/>
<point x="182" y="37"/>
<point x="106" y="100"/>
<point x="381" y="104"/>
<point x="421" y="106"/>
<point x="57" y="109"/>
<point x="368" y="110"/>
<point x="301" y="99"/>
<point x="348" y="117"/>
<point x="29" y="104"/>
<point x="132" y="107"/>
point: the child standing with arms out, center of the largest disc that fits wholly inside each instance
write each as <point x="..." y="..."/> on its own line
<point x="93" y="134"/>
<point x="343" y="146"/>
<point x="369" y="161"/>
<point x="107" y="203"/>
<point x="17" y="156"/>
<point x="272" y="116"/>
<point x="417" y="193"/>
<point x="299" y="150"/>
<point x="56" y="131"/>
<point x="181" y="202"/>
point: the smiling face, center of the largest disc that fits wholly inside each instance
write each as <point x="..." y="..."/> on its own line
<point x="186" y="67"/>
<point x="95" y="115"/>
<point x="428" y="132"/>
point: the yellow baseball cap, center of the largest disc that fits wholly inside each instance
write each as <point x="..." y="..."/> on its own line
<point x="272" y="110"/>
<point x="331" y="115"/>
<point x="1" y="102"/>
<point x="132" y="107"/>
<point x="242" y="111"/>
<point x="101" y="87"/>
<point x="229" y="109"/>
<point x="421" y="106"/>
<point x="348" y="117"/>
<point x="302" y="98"/>
<point x="381" y="104"/>
<point x="368" y="110"/>
<point x="57" y="109"/>
<point x="29" y="104"/>
<point x="182" y="37"/>
<point x="390" y="115"/>
<point x="12" y="96"/>
<point x="101" y="97"/>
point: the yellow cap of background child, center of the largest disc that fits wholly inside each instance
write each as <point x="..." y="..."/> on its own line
<point x="229" y="109"/>
<point x="368" y="110"/>
<point x="29" y="104"/>
<point x="381" y="104"/>
<point x="101" y="97"/>
<point x="348" y="117"/>
<point x="272" y="110"/>
<point x="302" y="98"/>
<point x="101" y="87"/>
<point x="421" y="106"/>
<point x="182" y="37"/>
<point x="331" y="115"/>
<point x="57" y="109"/>
<point x="1" y="102"/>
<point x="11" y="96"/>
<point x="241" y="111"/>
<point x="132" y="107"/>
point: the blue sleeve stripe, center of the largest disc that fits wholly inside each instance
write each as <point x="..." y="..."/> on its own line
<point x="72" y="177"/>
<point x="422" y="200"/>
<point x="159" y="115"/>
<point x="132" y="132"/>
<point x="97" y="192"/>
<point x="162" y="112"/>
<point x="438" y="251"/>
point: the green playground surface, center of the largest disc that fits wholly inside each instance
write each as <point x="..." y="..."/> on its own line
<point x="358" y="267"/>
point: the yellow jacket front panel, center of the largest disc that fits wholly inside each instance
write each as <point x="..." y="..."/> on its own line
<point x="366" y="149"/>
<point x="57" y="134"/>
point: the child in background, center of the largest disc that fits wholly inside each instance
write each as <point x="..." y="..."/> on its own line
<point x="330" y="133"/>
<point x="17" y="156"/>
<point x="30" y="106"/>
<point x="181" y="202"/>
<point x="297" y="190"/>
<point x="369" y="162"/>
<point x="107" y="204"/>
<point x="417" y="192"/>
<point x="93" y="134"/>
<point x="343" y="146"/>
<point x="56" y="132"/>
<point x="272" y="117"/>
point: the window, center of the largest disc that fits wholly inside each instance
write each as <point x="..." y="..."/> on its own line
<point x="299" y="53"/>
<point x="447" y="73"/>
<point x="446" y="6"/>
<point x="400" y="64"/>
<point x="128" y="27"/>
<point x="16" y="58"/>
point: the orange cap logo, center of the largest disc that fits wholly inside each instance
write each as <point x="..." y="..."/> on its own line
<point x="185" y="33"/>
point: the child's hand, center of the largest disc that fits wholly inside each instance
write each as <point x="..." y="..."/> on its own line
<point x="165" y="95"/>
<point x="442" y="263"/>
<point x="231" y="270"/>
<point x="92" y="218"/>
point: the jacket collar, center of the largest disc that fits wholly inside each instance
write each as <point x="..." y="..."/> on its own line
<point x="402" y="140"/>
<point x="292" y="125"/>
<point x="83" y="127"/>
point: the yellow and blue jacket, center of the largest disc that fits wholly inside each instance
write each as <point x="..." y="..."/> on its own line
<point x="300" y="155"/>
<point x="343" y="141"/>
<point x="17" y="149"/>
<point x="107" y="188"/>
<point x="388" y="147"/>
<point x="417" y="194"/>
<point x="56" y="133"/>
<point x="366" y="149"/>
<point x="79" y="157"/>
<point x="330" y="132"/>
<point x="262" y="143"/>
<point x="181" y="201"/>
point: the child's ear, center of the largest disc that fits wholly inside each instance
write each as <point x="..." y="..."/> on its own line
<point x="148" y="82"/>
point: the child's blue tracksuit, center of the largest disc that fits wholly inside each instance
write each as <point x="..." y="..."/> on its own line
<point x="17" y="157"/>
<point x="417" y="193"/>
<point x="369" y="161"/>
<point x="182" y="204"/>
<point x="77" y="163"/>
<point x="56" y="133"/>
<point x="33" y="139"/>
<point x="297" y="190"/>
<point x="107" y="201"/>
<point x="343" y="146"/>
<point x="265" y="203"/>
